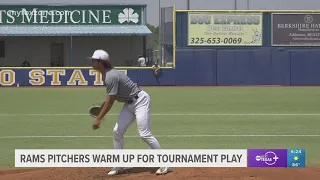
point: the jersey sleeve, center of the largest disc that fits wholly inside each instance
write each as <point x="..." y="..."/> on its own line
<point x="112" y="83"/>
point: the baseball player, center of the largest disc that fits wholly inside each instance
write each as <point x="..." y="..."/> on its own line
<point x="136" y="106"/>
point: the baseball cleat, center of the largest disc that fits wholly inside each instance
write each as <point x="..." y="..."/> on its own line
<point x="115" y="171"/>
<point x="163" y="170"/>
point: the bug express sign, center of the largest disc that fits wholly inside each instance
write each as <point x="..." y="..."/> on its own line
<point x="296" y="29"/>
<point x="224" y="29"/>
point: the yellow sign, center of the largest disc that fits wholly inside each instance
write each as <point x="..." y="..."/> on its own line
<point x="224" y="29"/>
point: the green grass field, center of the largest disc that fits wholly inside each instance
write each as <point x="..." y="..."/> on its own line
<point x="187" y="117"/>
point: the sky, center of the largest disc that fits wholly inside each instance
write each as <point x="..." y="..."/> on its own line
<point x="153" y="5"/>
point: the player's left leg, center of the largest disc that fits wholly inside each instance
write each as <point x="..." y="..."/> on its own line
<point x="142" y="112"/>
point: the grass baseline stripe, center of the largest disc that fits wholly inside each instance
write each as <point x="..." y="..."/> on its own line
<point x="172" y="114"/>
<point x="171" y="136"/>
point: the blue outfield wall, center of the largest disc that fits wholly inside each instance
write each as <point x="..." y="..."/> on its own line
<point x="265" y="66"/>
<point x="255" y="67"/>
<point x="305" y="67"/>
<point x="194" y="67"/>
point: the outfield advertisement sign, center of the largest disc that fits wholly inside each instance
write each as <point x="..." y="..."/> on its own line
<point x="224" y="29"/>
<point x="51" y="77"/>
<point x="296" y="29"/>
<point x="70" y="15"/>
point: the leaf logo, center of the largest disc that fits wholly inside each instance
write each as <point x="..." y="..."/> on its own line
<point x="128" y="15"/>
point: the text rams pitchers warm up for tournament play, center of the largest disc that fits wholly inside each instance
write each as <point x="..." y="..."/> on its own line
<point x="136" y="106"/>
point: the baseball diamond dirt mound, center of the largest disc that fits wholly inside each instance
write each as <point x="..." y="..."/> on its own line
<point x="177" y="174"/>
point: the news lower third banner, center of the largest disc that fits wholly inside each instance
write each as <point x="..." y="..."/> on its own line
<point x="295" y="29"/>
<point x="224" y="29"/>
<point x="291" y="158"/>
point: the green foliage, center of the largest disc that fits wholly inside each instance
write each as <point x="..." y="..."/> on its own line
<point x="153" y="41"/>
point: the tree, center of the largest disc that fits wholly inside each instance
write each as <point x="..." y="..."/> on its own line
<point x="153" y="40"/>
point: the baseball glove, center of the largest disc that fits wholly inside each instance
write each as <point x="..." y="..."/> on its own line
<point x="95" y="110"/>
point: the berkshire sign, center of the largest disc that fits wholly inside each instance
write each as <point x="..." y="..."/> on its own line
<point x="70" y="15"/>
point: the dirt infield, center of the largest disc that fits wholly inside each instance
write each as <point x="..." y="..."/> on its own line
<point x="176" y="174"/>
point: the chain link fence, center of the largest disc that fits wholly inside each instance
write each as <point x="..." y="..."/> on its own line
<point x="166" y="37"/>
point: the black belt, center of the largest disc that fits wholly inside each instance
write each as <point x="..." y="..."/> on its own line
<point x="131" y="100"/>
